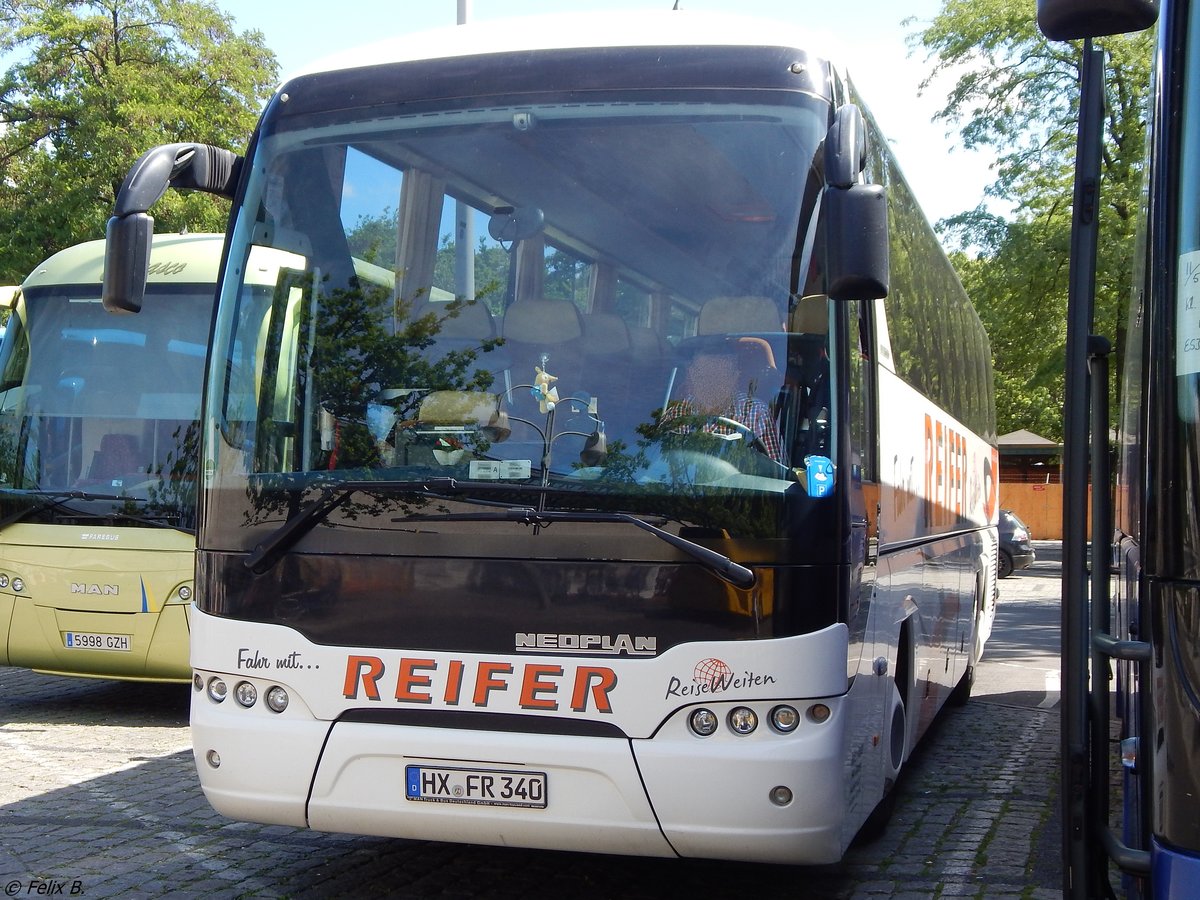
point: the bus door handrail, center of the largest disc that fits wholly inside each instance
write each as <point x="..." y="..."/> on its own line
<point x="1102" y="645"/>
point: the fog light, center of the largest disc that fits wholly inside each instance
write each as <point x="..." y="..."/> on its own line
<point x="781" y="796"/>
<point x="213" y="758"/>
<point x="198" y="681"/>
<point x="277" y="699"/>
<point x="218" y="690"/>
<point x="185" y="593"/>
<point x="18" y="584"/>
<point x="3" y="581"/>
<point x="742" y="719"/>
<point x="246" y="694"/>
<point x="703" y="722"/>
<point x="819" y="713"/>
<point x="784" y="719"/>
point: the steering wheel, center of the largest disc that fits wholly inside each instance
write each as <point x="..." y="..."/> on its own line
<point x="752" y="440"/>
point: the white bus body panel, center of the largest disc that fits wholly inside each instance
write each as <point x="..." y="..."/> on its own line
<point x="660" y="791"/>
<point x="265" y="767"/>
<point x="712" y="795"/>
<point x="596" y="802"/>
<point x="560" y="31"/>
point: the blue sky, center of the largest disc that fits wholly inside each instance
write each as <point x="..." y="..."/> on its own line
<point x="945" y="177"/>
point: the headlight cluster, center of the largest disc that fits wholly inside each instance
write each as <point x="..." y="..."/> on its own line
<point x="743" y="720"/>
<point x="245" y="693"/>
<point x="16" y="583"/>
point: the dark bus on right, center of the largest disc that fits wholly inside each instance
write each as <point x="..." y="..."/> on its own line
<point x="1131" y="600"/>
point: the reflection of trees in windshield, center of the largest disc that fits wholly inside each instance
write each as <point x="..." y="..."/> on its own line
<point x="11" y="470"/>
<point x="173" y="494"/>
<point x="360" y="350"/>
<point x="363" y="351"/>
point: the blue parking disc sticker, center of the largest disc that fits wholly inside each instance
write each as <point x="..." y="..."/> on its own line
<point x="820" y="480"/>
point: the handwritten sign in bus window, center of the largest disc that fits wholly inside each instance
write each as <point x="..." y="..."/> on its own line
<point x="1187" y="314"/>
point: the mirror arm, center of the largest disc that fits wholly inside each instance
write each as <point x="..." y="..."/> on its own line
<point x="130" y="231"/>
<point x="198" y="167"/>
<point x="845" y="147"/>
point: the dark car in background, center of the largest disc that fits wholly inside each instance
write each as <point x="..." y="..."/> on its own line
<point x="1016" y="549"/>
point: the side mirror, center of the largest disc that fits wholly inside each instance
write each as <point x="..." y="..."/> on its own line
<point x="855" y="214"/>
<point x="197" y="167"/>
<point x="856" y="235"/>
<point x="127" y="261"/>
<point x="1068" y="20"/>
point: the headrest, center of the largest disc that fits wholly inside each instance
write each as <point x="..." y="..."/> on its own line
<point x="810" y="315"/>
<point x="645" y="342"/>
<point x="471" y="321"/>
<point x="542" y="321"/>
<point x="605" y="333"/>
<point x="113" y="443"/>
<point x="457" y="408"/>
<point x="739" y="315"/>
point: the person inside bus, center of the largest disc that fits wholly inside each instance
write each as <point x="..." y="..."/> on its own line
<point x="718" y="384"/>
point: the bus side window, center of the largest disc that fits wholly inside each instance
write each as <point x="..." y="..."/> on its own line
<point x="862" y="423"/>
<point x="805" y="399"/>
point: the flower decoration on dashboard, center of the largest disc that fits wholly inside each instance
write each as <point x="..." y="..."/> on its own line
<point x="448" y="450"/>
<point x="543" y="390"/>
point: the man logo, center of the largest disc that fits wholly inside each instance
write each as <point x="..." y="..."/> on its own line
<point x="100" y="590"/>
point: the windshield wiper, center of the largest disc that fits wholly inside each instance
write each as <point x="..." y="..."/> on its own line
<point x="50" y="499"/>
<point x="267" y="553"/>
<point x="717" y="563"/>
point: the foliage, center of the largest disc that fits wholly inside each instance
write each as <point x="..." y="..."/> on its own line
<point x="1017" y="94"/>
<point x="95" y="84"/>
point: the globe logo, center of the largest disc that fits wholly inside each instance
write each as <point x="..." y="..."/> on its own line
<point x="712" y="673"/>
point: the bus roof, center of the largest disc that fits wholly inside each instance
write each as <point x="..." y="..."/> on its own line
<point x="624" y="28"/>
<point x="174" y="259"/>
<point x="182" y="258"/>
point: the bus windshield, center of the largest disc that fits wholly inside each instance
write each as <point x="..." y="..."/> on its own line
<point x="528" y="295"/>
<point x="82" y="414"/>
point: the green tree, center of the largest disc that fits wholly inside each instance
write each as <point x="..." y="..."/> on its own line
<point x="1017" y="94"/>
<point x="93" y="85"/>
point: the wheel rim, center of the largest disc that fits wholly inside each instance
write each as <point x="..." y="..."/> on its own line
<point x="1005" y="565"/>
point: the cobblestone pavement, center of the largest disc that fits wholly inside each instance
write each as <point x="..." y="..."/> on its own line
<point x="98" y="798"/>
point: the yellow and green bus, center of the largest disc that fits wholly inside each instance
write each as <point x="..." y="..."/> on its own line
<point x="98" y="465"/>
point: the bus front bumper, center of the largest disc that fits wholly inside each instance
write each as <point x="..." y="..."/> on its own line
<point x="672" y="794"/>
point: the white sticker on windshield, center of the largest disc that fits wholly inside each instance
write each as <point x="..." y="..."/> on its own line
<point x="1187" y="314"/>
<point x="500" y="469"/>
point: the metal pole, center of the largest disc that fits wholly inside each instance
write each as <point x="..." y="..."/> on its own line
<point x="1084" y="867"/>
<point x="464" y="228"/>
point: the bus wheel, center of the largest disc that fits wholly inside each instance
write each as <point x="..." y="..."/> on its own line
<point x="897" y="737"/>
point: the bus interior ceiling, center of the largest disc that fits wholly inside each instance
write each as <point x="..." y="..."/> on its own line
<point x="669" y="236"/>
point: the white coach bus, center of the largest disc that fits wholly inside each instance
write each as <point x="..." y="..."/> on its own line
<point x="648" y="507"/>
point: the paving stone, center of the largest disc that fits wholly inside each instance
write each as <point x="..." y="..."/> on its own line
<point x="97" y="784"/>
